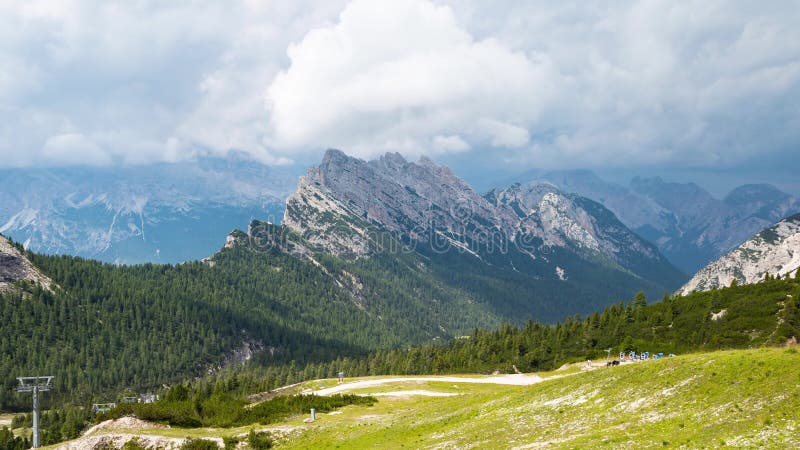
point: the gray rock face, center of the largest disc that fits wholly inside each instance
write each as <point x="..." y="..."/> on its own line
<point x="568" y="220"/>
<point x="774" y="251"/>
<point x="14" y="267"/>
<point x="342" y="203"/>
<point x="339" y="202"/>
<point x="689" y="226"/>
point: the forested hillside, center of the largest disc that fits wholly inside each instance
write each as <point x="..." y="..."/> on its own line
<point x="109" y="327"/>
<point x="735" y="317"/>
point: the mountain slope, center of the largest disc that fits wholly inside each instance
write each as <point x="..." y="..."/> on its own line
<point x="773" y="251"/>
<point x="689" y="401"/>
<point x="15" y="268"/>
<point x="739" y="399"/>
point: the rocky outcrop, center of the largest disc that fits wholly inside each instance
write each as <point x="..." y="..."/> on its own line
<point x="15" y="267"/>
<point x="265" y="236"/>
<point x="774" y="251"/>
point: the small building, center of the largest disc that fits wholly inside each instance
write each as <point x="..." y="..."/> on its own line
<point x="99" y="408"/>
<point x="148" y="398"/>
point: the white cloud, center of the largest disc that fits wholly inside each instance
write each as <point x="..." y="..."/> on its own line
<point x="399" y="71"/>
<point x="539" y="83"/>
<point x="505" y="134"/>
<point x="449" y="144"/>
<point x="145" y="81"/>
<point x="74" y="149"/>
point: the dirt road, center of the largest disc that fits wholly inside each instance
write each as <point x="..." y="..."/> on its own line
<point x="516" y="380"/>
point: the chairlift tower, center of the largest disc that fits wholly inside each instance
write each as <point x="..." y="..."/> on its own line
<point x="35" y="385"/>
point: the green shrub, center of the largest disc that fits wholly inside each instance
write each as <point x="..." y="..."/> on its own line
<point x="280" y="407"/>
<point x="199" y="444"/>
<point x="10" y="442"/>
<point x="224" y="411"/>
<point x="259" y="441"/>
<point x="133" y="444"/>
<point x="230" y="442"/>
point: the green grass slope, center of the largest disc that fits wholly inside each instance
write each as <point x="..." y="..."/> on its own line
<point x="745" y="398"/>
<point x="736" y="398"/>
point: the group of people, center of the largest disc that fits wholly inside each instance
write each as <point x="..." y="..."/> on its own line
<point x="632" y="357"/>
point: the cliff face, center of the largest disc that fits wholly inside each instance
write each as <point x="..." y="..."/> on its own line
<point x="775" y="250"/>
<point x="14" y="267"/>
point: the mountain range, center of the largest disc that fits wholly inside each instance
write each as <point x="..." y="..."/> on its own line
<point x="175" y="212"/>
<point x="689" y="225"/>
<point x="168" y="213"/>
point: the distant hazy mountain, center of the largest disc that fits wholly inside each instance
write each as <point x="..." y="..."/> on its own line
<point x="774" y="251"/>
<point x="160" y="213"/>
<point x="689" y="225"/>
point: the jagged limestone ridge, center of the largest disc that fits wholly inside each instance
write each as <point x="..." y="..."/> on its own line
<point x="775" y="250"/>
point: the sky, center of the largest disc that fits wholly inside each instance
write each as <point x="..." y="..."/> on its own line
<point x="692" y="88"/>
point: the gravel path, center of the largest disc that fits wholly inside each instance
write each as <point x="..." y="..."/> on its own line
<point x="516" y="380"/>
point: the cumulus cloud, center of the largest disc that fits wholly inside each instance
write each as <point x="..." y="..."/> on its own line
<point x="74" y="149"/>
<point x="391" y="71"/>
<point x="535" y="83"/>
<point x="144" y="81"/>
<point x="450" y="144"/>
<point x="700" y="84"/>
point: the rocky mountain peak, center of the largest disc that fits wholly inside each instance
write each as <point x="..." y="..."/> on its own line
<point x="339" y="202"/>
<point x="762" y="201"/>
<point x="688" y="224"/>
<point x="685" y="198"/>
